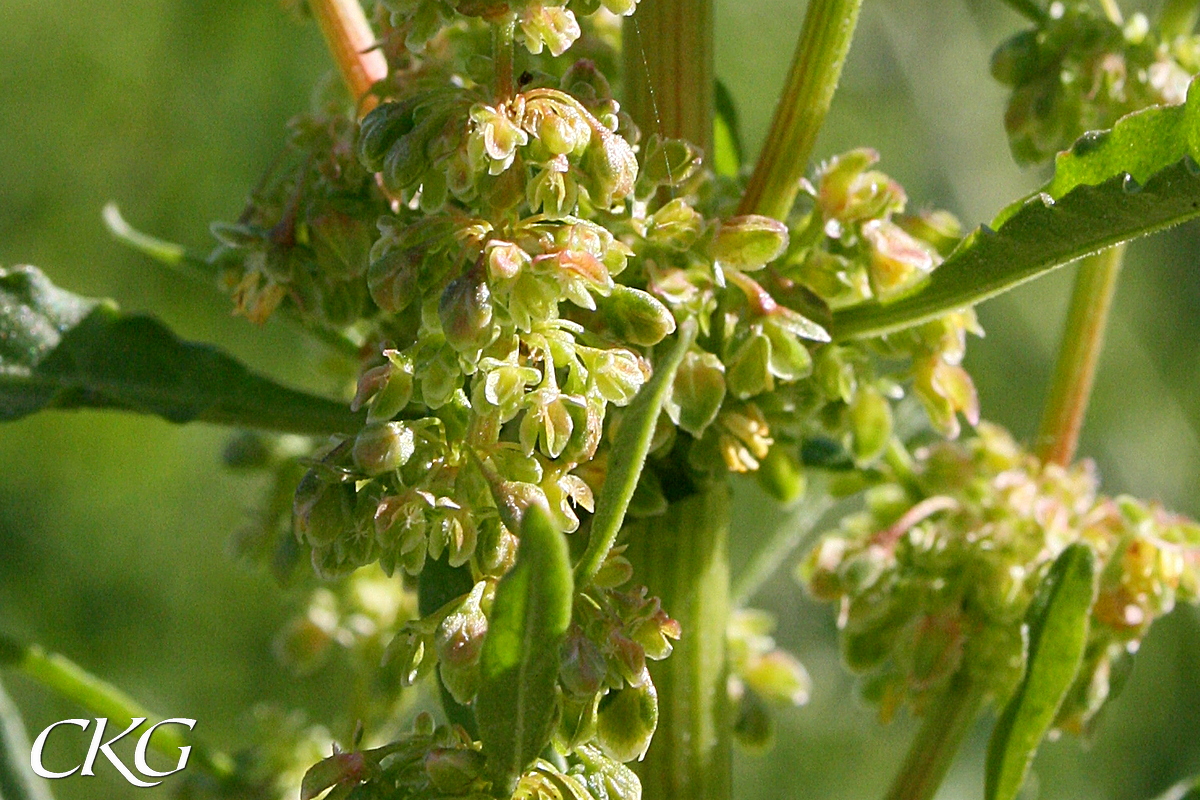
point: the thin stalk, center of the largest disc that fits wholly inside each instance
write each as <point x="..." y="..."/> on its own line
<point x="17" y="781"/>
<point x="1179" y="18"/>
<point x="787" y="537"/>
<point x="61" y="675"/>
<point x="1075" y="371"/>
<point x="816" y="68"/>
<point x="683" y="558"/>
<point x="669" y="79"/>
<point x="1112" y="11"/>
<point x="937" y="742"/>
<point x="504" y="56"/>
<point x="352" y="44"/>
<point x="1028" y="9"/>
<point x="194" y="267"/>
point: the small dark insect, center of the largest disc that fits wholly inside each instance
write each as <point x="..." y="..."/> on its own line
<point x="525" y="79"/>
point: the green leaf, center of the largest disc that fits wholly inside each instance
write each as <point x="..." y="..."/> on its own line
<point x="727" y="141"/>
<point x="17" y="781"/>
<point x="1112" y="186"/>
<point x="628" y="456"/>
<point x="60" y="350"/>
<point x="1058" y="634"/>
<point x="516" y="705"/>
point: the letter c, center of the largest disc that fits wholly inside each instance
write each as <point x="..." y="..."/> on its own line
<point x="35" y="756"/>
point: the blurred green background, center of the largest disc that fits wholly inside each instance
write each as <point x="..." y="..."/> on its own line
<point x="113" y="530"/>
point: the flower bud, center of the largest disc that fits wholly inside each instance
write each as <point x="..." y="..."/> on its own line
<point x="753" y="727"/>
<point x="676" y="225"/>
<point x="635" y="317"/>
<point x="749" y="368"/>
<point x="392" y="279"/>
<point x="669" y="162"/>
<point x="382" y="127"/>
<point x="322" y="511"/>
<point x="697" y="392"/>
<point x="626" y="721"/>
<point x="613" y="167"/>
<point x="870" y="424"/>
<point x="552" y="27"/>
<point x="749" y="242"/>
<point x="458" y="643"/>
<point x="782" y="476"/>
<point x="465" y="311"/>
<point x="606" y="778"/>
<point x="899" y="263"/>
<point x="582" y="667"/>
<point x="778" y="676"/>
<point x="383" y="447"/>
<point x="452" y="770"/>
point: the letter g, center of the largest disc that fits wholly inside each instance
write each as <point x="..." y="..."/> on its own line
<point x="35" y="757"/>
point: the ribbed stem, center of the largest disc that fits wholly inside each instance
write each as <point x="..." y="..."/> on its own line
<point x="816" y="69"/>
<point x="668" y="55"/>
<point x="942" y="733"/>
<point x="683" y="558"/>
<point x="1075" y="371"/>
<point x="504" y="56"/>
<point x="351" y="42"/>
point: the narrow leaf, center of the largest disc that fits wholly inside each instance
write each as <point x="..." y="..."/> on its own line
<point x="17" y="781"/>
<point x="60" y="350"/>
<point x="519" y="664"/>
<point x="1185" y="790"/>
<point x="1112" y="186"/>
<point x="628" y="455"/>
<point x="1058" y="634"/>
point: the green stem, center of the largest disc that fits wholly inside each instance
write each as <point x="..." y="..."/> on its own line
<point x="937" y="742"/>
<point x="1075" y="371"/>
<point x="1112" y="11"/>
<point x="188" y="264"/>
<point x="352" y="44"/>
<point x="504" y="56"/>
<point x="669" y="83"/>
<point x="791" y="532"/>
<point x="61" y="675"/>
<point x="682" y="558"/>
<point x="816" y="68"/>
<point x="1178" y="18"/>
<point x="17" y="781"/>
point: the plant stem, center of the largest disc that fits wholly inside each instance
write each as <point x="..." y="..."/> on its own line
<point x="941" y="734"/>
<point x="816" y="68"/>
<point x="17" y="781"/>
<point x="504" y="56"/>
<point x="1113" y="12"/>
<point x="105" y="700"/>
<point x="1075" y="370"/>
<point x="352" y="44"/>
<point x="1178" y="18"/>
<point x="791" y="532"/>
<point x="682" y="558"/>
<point x="668" y="55"/>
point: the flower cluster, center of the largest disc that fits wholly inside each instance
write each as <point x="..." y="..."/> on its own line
<point x="935" y="577"/>
<point x="1079" y="72"/>
<point x="514" y="257"/>
<point x="440" y="761"/>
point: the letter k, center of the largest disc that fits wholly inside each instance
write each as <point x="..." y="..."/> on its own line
<point x="106" y="748"/>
